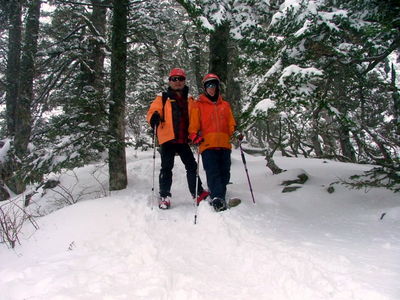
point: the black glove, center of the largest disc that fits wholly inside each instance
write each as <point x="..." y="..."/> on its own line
<point x="155" y="120"/>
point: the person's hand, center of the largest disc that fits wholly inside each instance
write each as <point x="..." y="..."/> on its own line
<point x="196" y="139"/>
<point x="155" y="120"/>
<point x="238" y="135"/>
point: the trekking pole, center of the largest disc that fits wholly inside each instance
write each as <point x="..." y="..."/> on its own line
<point x="154" y="166"/>
<point x="247" y="172"/>
<point x="197" y="185"/>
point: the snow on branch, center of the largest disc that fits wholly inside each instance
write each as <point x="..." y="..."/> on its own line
<point x="293" y="70"/>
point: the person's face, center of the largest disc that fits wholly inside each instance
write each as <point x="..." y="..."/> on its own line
<point x="211" y="90"/>
<point x="177" y="82"/>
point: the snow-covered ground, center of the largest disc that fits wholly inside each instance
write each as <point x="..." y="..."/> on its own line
<point x="307" y="244"/>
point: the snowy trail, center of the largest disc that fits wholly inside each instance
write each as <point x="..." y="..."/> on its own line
<point x="119" y="248"/>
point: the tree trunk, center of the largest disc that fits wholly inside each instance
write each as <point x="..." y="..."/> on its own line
<point x="315" y="133"/>
<point x="23" y="125"/>
<point x="328" y="137"/>
<point x="272" y="147"/>
<point x="396" y="101"/>
<point x="13" y="63"/>
<point x="97" y="55"/>
<point x="197" y="63"/>
<point x="219" y="51"/>
<point x="117" y="157"/>
<point x="93" y="100"/>
<point x="345" y="143"/>
<point x="233" y="91"/>
<point x="269" y="157"/>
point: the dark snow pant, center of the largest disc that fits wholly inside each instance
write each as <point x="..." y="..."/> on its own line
<point x="168" y="151"/>
<point x="217" y="164"/>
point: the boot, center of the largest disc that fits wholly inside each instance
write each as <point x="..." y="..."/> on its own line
<point x="203" y="195"/>
<point x="164" y="202"/>
<point x="218" y="204"/>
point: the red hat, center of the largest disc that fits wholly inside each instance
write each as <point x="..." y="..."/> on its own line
<point x="177" y="72"/>
<point x="209" y="77"/>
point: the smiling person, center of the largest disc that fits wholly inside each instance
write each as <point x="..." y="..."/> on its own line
<point x="212" y="126"/>
<point x="169" y="116"/>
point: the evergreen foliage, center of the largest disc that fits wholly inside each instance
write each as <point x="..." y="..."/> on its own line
<point x="328" y="77"/>
<point x="317" y="78"/>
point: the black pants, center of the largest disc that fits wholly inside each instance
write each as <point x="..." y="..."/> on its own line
<point x="217" y="164"/>
<point x="168" y="151"/>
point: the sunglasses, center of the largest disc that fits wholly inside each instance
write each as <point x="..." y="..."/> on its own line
<point x="211" y="85"/>
<point x="179" y="78"/>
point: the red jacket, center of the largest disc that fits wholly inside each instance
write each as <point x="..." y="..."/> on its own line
<point x="213" y="121"/>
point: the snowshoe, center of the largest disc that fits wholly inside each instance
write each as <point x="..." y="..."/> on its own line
<point x="232" y="202"/>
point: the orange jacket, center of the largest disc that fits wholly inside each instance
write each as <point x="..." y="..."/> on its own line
<point x="166" y="130"/>
<point x="213" y="121"/>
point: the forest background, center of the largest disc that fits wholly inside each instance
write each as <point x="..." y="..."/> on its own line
<point x="312" y="78"/>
